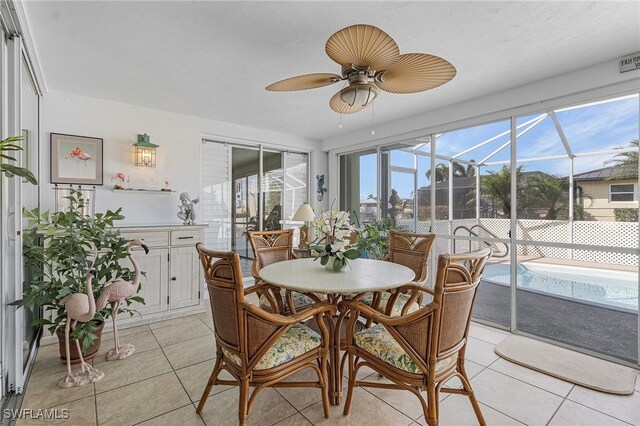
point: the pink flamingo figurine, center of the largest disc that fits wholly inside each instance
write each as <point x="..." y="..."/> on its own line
<point x="80" y="307"/>
<point x="78" y="153"/>
<point x="115" y="293"/>
<point x="119" y="177"/>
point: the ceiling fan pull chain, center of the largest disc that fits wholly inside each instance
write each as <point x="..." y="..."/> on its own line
<point x="340" y="125"/>
<point x="373" y="118"/>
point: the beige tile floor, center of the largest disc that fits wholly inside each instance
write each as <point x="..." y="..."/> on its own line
<point x="163" y="381"/>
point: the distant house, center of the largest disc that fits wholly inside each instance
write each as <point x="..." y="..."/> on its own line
<point x="464" y="205"/>
<point x="368" y="210"/>
<point x="463" y="195"/>
<point x="607" y="189"/>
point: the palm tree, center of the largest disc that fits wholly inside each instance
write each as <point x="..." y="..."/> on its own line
<point x="549" y="193"/>
<point x="628" y="161"/>
<point x="442" y="171"/>
<point x="461" y="171"/>
<point x="497" y="185"/>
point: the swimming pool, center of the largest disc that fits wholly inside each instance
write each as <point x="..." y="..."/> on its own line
<point x="604" y="287"/>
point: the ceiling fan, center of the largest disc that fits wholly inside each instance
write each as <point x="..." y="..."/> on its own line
<point x="371" y="61"/>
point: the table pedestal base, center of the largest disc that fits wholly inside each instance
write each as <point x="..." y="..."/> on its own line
<point x="337" y="340"/>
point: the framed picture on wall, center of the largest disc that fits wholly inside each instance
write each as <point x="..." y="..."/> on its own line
<point x="76" y="159"/>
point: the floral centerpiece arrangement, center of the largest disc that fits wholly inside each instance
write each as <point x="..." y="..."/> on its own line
<point x="335" y="232"/>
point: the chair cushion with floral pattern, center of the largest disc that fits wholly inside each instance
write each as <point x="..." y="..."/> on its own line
<point x="379" y="342"/>
<point x="396" y="311"/>
<point x="299" y="301"/>
<point x="296" y="341"/>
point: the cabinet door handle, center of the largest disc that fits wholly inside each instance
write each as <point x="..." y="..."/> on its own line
<point x="174" y="279"/>
<point x="186" y="238"/>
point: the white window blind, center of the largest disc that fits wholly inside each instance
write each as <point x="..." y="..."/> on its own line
<point x="216" y="195"/>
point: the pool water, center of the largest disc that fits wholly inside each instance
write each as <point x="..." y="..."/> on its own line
<point x="604" y="287"/>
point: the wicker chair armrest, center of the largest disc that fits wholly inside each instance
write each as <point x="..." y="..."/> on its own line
<point x="312" y="310"/>
<point x="415" y="287"/>
<point x="368" y="312"/>
<point x="255" y="271"/>
<point x="255" y="288"/>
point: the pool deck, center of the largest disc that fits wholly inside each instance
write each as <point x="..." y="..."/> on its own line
<point x="608" y="331"/>
<point x="568" y="262"/>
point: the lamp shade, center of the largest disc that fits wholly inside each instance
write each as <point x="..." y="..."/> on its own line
<point x="304" y="213"/>
<point x="359" y="94"/>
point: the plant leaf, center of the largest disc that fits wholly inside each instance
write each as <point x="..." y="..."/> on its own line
<point x="19" y="171"/>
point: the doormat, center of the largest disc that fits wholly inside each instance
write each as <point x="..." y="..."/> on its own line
<point x="565" y="364"/>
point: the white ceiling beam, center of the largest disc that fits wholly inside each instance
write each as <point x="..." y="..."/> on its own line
<point x="506" y="144"/>
<point x="481" y="144"/>
<point x="563" y="138"/>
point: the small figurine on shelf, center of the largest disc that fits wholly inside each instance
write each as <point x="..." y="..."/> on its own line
<point x="187" y="211"/>
<point x="166" y="186"/>
<point x="119" y="178"/>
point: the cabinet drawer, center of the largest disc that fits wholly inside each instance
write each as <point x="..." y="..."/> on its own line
<point x="151" y="239"/>
<point x="188" y="237"/>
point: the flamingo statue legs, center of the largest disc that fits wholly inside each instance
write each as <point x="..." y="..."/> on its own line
<point x="80" y="307"/>
<point x="115" y="293"/>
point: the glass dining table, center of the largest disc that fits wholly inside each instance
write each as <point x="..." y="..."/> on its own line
<point x="359" y="277"/>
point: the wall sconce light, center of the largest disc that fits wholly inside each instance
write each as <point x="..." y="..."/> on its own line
<point x="145" y="152"/>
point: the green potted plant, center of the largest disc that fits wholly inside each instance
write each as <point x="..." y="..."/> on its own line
<point x="61" y="249"/>
<point x="7" y="146"/>
<point x="373" y="239"/>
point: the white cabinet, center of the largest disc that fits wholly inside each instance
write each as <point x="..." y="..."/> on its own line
<point x="172" y="268"/>
<point x="173" y="277"/>
<point x="184" y="283"/>
<point x="153" y="285"/>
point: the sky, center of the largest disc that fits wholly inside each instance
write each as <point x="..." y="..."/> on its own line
<point x="588" y="128"/>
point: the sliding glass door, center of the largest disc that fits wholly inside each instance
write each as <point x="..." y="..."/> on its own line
<point x="359" y="186"/>
<point x="20" y="96"/>
<point x="244" y="171"/>
<point x="249" y="188"/>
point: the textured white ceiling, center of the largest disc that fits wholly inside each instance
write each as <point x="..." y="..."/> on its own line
<point x="213" y="59"/>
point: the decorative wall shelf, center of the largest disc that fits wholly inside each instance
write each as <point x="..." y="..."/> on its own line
<point x="146" y="191"/>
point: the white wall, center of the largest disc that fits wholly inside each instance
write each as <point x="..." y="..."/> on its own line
<point x="179" y="137"/>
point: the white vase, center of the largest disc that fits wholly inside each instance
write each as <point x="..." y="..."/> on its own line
<point x="329" y="265"/>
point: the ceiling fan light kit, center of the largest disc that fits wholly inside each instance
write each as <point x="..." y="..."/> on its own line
<point x="371" y="61"/>
<point x="361" y="94"/>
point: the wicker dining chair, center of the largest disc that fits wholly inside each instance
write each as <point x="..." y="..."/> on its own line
<point x="410" y="250"/>
<point x="271" y="247"/>
<point x="256" y="347"/>
<point x="424" y="349"/>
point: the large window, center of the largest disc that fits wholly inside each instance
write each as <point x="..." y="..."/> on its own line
<point x="359" y="190"/>
<point x="554" y="193"/>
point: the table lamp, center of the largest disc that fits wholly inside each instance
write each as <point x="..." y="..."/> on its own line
<point x="304" y="214"/>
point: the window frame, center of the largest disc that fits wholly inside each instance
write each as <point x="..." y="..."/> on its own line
<point x="634" y="192"/>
